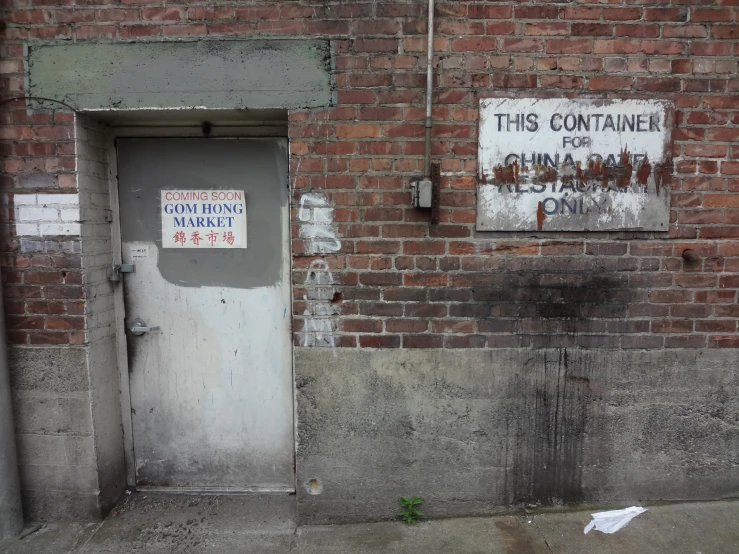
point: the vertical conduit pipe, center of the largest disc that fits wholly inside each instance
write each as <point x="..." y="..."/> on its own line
<point x="429" y="91"/>
<point x="11" y="514"/>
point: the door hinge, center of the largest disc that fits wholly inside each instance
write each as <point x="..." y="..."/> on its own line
<point x="121" y="268"/>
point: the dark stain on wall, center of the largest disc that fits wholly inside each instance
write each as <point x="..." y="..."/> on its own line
<point x="555" y="412"/>
<point x="563" y="302"/>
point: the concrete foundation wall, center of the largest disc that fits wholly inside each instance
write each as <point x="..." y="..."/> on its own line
<point x="477" y="431"/>
<point x="56" y="451"/>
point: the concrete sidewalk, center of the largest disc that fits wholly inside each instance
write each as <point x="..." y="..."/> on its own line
<point x="158" y="524"/>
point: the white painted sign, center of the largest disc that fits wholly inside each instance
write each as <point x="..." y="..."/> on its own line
<point x="203" y="219"/>
<point x="558" y="164"/>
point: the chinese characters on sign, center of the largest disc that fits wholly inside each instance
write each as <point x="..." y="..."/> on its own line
<point x="203" y="219"/>
<point x="574" y="165"/>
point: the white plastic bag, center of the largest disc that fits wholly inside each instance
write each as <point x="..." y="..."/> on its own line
<point x="613" y="520"/>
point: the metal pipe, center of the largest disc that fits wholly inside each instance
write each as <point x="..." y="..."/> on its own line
<point x="429" y="91"/>
<point x="11" y="513"/>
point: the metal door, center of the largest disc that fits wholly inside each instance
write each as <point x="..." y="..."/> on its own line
<point x="207" y="320"/>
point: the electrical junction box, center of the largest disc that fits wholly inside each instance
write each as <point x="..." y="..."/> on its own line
<point x="422" y="192"/>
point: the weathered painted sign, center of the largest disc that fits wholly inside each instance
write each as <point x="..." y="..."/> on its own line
<point x="203" y="219"/>
<point x="574" y="165"/>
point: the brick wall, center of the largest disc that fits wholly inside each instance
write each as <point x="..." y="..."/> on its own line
<point x="399" y="281"/>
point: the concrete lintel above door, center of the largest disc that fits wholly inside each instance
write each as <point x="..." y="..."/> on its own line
<point x="206" y="74"/>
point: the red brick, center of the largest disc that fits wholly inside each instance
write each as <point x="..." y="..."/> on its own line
<point x="637" y="31"/>
<point x="666" y="15"/>
<point x="661" y="84"/>
<point x="135" y="31"/>
<point x="622" y="14"/>
<point x="592" y="29"/>
<point x="184" y="30"/>
<point x="669" y="48"/>
<point x="730" y="134"/>
<point x="375" y="45"/>
<point x="508" y="80"/>
<point x="451" y="326"/>
<point x="724" y="32"/>
<point x="569" y="46"/>
<point x="483" y="11"/>
<point x="611" y="83"/>
<point x="49" y="338"/>
<point x="210" y="13"/>
<point x="456" y="27"/>
<point x="721" y="200"/>
<point x="163" y="14"/>
<point x="361" y="325"/>
<point x="474" y="44"/>
<point x="705" y="150"/>
<point x="672" y="326"/>
<point x="281" y="27"/>
<point x="424" y="247"/>
<point x="64" y="323"/>
<point x="715" y="296"/>
<point x="723" y="342"/>
<point x="547" y="28"/>
<point x="358" y="131"/>
<point x="536" y="12"/>
<point x="684" y="31"/>
<point x="579" y="13"/>
<point x="407" y="325"/>
<point x="117" y="14"/>
<point x="723" y="15"/>
<point x="379" y="341"/>
<point x="95" y="31"/>
<point x="258" y="12"/>
<point x="74" y="15"/>
<point x="711" y="49"/>
<point x="685" y="341"/>
<point x="716" y="326"/>
<point x="425" y="279"/>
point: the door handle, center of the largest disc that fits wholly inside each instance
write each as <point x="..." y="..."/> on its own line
<point x="139" y="327"/>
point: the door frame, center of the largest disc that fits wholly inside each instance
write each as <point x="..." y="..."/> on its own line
<point x="247" y="130"/>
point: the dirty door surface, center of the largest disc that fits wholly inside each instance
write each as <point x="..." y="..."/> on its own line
<point x="211" y="389"/>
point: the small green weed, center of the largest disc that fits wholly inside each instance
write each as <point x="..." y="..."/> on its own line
<point x="410" y="513"/>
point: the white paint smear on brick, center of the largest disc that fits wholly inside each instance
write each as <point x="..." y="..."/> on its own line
<point x="317" y="225"/>
<point x="41" y="215"/>
<point x="319" y="328"/>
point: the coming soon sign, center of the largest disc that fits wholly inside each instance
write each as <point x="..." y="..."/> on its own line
<point x="203" y="219"/>
<point x="574" y="165"/>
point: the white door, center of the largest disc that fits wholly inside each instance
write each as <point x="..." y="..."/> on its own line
<point x="205" y="221"/>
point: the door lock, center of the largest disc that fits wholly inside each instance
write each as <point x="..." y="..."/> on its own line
<point x="121" y="268"/>
<point x="139" y="327"/>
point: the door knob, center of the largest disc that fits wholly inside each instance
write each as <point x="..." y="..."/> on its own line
<point x="139" y="327"/>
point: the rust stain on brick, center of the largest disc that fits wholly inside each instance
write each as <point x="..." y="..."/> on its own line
<point x="663" y="174"/>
